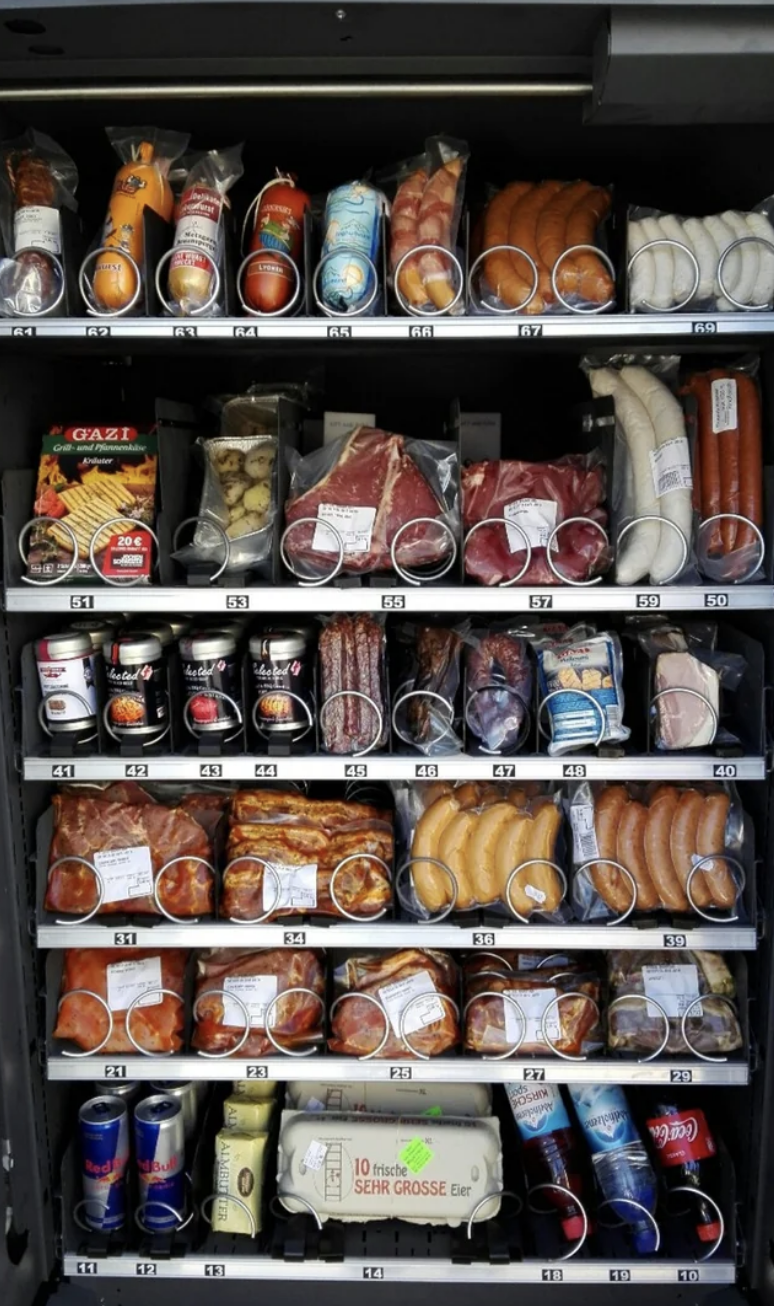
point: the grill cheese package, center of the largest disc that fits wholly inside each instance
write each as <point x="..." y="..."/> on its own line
<point x="364" y="1167"/>
<point x="390" y="1099"/>
<point x="95" y="484"/>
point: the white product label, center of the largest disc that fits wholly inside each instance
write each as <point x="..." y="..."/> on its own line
<point x="336" y="425"/>
<point x="536" y="895"/>
<point x="671" y="467"/>
<point x="584" y="836"/>
<point x="315" y="1154"/>
<point x="537" y="519"/>
<point x="198" y="223"/>
<point x="297" y="887"/>
<point x="126" y="873"/>
<point x="353" y="524"/>
<point x="724" y="409"/>
<point x="533" y="1003"/>
<point x="314" y="1104"/>
<point x="674" y="987"/>
<point x="37" y="227"/>
<point x="126" y="980"/>
<point x="76" y="676"/>
<point x="396" y="996"/>
<point x="255" y="992"/>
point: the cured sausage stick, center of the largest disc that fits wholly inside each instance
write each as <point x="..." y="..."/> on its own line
<point x="594" y="281"/>
<point x="552" y="233"/>
<point x="728" y="456"/>
<point x="523" y="234"/>
<point x="507" y="274"/>
<point x="709" y="460"/>
<point x="750" y="464"/>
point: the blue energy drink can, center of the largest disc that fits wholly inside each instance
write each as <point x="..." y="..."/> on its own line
<point x="103" y="1126"/>
<point x="159" y="1144"/>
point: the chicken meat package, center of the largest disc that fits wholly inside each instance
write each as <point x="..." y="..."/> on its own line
<point x="426" y="670"/>
<point x="100" y="985"/>
<point x="723" y="263"/>
<point x="513" y="511"/>
<point x="543" y="250"/>
<point x="37" y="181"/>
<point x="481" y="845"/>
<point x="499" y="687"/>
<point x="679" y="1002"/>
<point x="677" y="848"/>
<point x="395" y="1005"/>
<point x="533" y="1012"/>
<point x="688" y="673"/>
<point x="652" y="473"/>
<point x="728" y="472"/>
<point x="580" y="677"/>
<point x="425" y="217"/>
<point x="369" y="1167"/>
<point x="258" y="1000"/>
<point x="370" y="502"/>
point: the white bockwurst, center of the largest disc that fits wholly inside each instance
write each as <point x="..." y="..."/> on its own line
<point x="640" y="546"/>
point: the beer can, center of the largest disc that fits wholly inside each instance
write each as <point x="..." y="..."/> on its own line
<point x="159" y="1143"/>
<point x="185" y="1094"/>
<point x="103" y="1127"/>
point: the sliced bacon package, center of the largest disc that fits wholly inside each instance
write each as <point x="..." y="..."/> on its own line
<point x="232" y="981"/>
<point x="364" y="490"/>
<point x="530" y="500"/>
<point x="408" y="1000"/>
<point x="119" y="976"/>
<point x="128" y="843"/>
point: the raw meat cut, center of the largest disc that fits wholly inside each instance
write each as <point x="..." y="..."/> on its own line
<point x="431" y="666"/>
<point x="373" y="471"/>
<point x="157" y="1027"/>
<point x="393" y="979"/>
<point x="499" y="690"/>
<point x="85" y="826"/>
<point x="683" y="720"/>
<point x="536" y="497"/>
<point x="296" y="1021"/>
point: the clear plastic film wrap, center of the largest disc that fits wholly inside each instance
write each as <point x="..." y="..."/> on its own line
<point x="347" y="280"/>
<point x="581" y="690"/>
<point x="425" y="217"/>
<point x="508" y="504"/>
<point x="671" y="847"/>
<point x="543" y="250"/>
<point x="688" y="673"/>
<point x="499" y="683"/>
<point x="427" y="677"/>
<point x="480" y="845"/>
<point x="189" y="278"/>
<point x="259" y="1000"/>
<point x="373" y="501"/>
<point x="728" y="472"/>
<point x="395" y="1004"/>
<point x="722" y="263"/>
<point x="533" y="1012"/>
<point x="353" y="715"/>
<point x="676" y="1002"/>
<point x="652" y="473"/>
<point x="38" y="179"/>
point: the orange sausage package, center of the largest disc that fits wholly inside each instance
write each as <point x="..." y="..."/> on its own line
<point x="542" y="250"/>
<point x="112" y="274"/>
<point x="425" y="220"/>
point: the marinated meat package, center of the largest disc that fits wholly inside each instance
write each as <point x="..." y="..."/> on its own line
<point x="425" y="213"/>
<point x="688" y="672"/>
<point x="362" y="491"/>
<point x="96" y="486"/>
<point x="250" y="980"/>
<point x="728" y="471"/>
<point x="475" y="838"/>
<point x="692" y="988"/>
<point x="324" y="858"/>
<point x="541" y="1011"/>
<point x="128" y="844"/>
<point x="119" y="976"/>
<point x="37" y="180"/>
<point x="538" y="246"/>
<point x="530" y="501"/>
<point x="401" y="1001"/>
<point x="353" y="715"/>
<point x="679" y="847"/>
<point x="581" y="686"/>
<point x="425" y="708"/>
<point x="498" y="689"/>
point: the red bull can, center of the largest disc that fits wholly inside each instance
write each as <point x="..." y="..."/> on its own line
<point x="185" y="1094"/>
<point x="103" y="1126"/>
<point x="159" y="1144"/>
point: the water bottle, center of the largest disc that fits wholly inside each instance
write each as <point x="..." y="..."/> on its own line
<point x="621" y="1163"/>
<point x="550" y="1149"/>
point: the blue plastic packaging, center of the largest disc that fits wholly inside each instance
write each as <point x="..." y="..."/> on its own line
<point x="621" y="1163"/>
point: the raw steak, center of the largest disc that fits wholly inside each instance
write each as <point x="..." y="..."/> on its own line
<point x="372" y="471"/>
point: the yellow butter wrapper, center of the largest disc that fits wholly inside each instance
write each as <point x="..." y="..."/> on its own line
<point x="246" y="1115"/>
<point x="239" y="1167"/>
<point x="263" y="1090"/>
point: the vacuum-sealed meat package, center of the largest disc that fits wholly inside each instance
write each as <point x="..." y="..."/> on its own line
<point x="394" y="1004"/>
<point x="425" y="707"/>
<point x="353" y="712"/>
<point x="425" y="217"/>
<point x="688" y="672"/>
<point x="663" y="992"/>
<point x="498" y="689"/>
<point x="194" y="270"/>
<point x="119" y="976"/>
<point x="234" y="984"/>
<point x="541" y="1011"/>
<point x="37" y="181"/>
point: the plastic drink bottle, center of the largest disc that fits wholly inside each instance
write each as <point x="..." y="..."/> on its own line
<point x="550" y="1149"/>
<point x="621" y="1163"/>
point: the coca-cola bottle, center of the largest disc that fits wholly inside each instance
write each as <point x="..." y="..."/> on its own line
<point x="687" y="1155"/>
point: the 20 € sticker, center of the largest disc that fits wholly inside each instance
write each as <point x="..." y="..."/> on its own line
<point x="416" y="1155"/>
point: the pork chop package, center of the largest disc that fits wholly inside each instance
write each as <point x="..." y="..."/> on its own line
<point x="683" y="1000"/>
<point x="480" y="845"/>
<point x="513" y="513"/>
<point x="499" y="685"/>
<point x="395" y="1005"/>
<point x="723" y="263"/>
<point x="688" y="672"/>
<point x="533" y="1012"/>
<point x="362" y="503"/>
<point x="581" y="690"/>
<point x="118" y="976"/>
<point x="425" y="216"/>
<point x="672" y="847"/>
<point x="427" y="673"/>
<point x="354" y="707"/>
<point x="275" y="994"/>
<point x="652" y="496"/>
